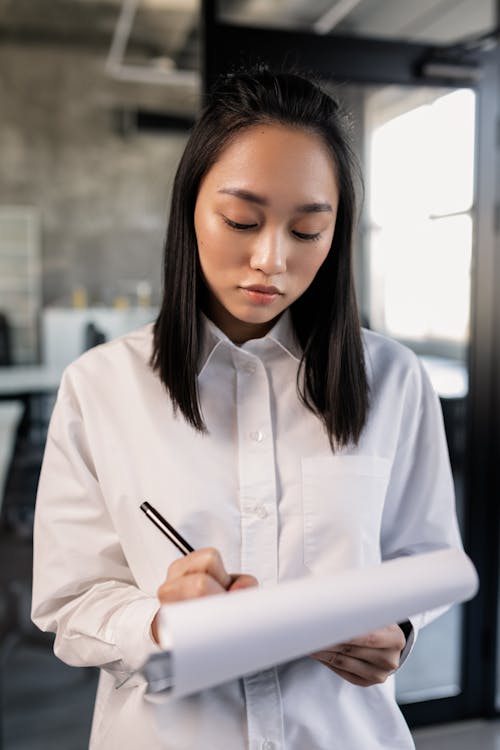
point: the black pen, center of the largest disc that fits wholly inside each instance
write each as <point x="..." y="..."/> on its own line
<point x="166" y="528"/>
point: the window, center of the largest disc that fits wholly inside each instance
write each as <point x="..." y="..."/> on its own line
<point x="420" y="195"/>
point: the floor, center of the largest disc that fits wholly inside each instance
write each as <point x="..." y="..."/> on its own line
<point x="474" y="735"/>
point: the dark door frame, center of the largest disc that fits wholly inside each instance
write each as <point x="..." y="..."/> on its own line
<point x="370" y="61"/>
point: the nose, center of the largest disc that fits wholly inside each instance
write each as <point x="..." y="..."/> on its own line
<point x="269" y="253"/>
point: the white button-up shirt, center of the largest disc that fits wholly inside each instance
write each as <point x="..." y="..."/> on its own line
<point x="265" y="489"/>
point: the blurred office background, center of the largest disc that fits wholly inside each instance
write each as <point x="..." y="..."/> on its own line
<point x="97" y="98"/>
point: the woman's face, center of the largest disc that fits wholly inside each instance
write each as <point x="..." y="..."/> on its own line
<point x="264" y="221"/>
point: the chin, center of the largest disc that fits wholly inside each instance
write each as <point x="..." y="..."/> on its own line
<point x="257" y="316"/>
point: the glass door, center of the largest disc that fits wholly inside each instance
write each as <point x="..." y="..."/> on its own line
<point x="413" y="264"/>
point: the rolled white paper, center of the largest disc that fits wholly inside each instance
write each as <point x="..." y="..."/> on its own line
<point x="219" y="638"/>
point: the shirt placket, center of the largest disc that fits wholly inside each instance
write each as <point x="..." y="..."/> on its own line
<point x="259" y="532"/>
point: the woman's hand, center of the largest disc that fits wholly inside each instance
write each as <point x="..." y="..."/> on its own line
<point x="368" y="660"/>
<point x="201" y="573"/>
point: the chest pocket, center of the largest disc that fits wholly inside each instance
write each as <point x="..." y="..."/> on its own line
<point x="343" y="499"/>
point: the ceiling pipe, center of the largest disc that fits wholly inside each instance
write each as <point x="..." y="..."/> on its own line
<point x="121" y="33"/>
<point x="332" y="17"/>
<point x="116" y="68"/>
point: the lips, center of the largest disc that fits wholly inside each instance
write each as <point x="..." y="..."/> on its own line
<point x="260" y="294"/>
<point x="262" y="289"/>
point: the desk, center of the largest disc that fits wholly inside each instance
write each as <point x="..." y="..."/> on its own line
<point x="28" y="380"/>
<point x="63" y="329"/>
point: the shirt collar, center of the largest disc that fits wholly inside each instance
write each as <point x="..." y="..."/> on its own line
<point x="281" y="333"/>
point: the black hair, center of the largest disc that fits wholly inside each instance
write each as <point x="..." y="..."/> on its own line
<point x="331" y="379"/>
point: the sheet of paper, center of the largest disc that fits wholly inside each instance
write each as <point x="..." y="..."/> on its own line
<point x="216" y="639"/>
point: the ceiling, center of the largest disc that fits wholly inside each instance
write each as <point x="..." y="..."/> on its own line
<point x="422" y="20"/>
<point x="161" y="27"/>
<point x="164" y="37"/>
<point x="170" y="27"/>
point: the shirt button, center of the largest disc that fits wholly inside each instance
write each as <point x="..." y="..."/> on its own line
<point x="268" y="745"/>
<point x="257" y="436"/>
<point x="249" y="368"/>
<point x="260" y="511"/>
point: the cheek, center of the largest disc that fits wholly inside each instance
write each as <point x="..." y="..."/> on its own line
<point x="308" y="263"/>
<point x="216" y="248"/>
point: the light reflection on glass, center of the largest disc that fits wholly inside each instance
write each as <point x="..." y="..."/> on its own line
<point x="421" y="166"/>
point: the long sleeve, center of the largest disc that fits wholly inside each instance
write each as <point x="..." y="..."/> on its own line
<point x="419" y="514"/>
<point x="83" y="589"/>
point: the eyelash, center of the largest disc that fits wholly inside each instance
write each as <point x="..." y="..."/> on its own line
<point x="307" y="237"/>
<point x="245" y="227"/>
<point x="240" y="227"/>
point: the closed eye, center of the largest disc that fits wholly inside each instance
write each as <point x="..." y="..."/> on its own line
<point x="237" y="225"/>
<point x="304" y="236"/>
<point x="246" y="227"/>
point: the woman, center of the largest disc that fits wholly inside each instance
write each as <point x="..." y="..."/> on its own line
<point x="278" y="437"/>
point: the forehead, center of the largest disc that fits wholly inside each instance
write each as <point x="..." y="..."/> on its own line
<point x="275" y="159"/>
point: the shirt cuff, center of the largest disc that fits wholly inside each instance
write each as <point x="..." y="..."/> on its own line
<point x="411" y="637"/>
<point x="157" y="670"/>
<point x="134" y="639"/>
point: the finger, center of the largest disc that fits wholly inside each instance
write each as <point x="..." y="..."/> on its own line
<point x="190" y="586"/>
<point x="382" y="658"/>
<point x="206" y="560"/>
<point x="349" y="676"/>
<point x="242" y="581"/>
<point x="389" y="637"/>
<point x="361" y="669"/>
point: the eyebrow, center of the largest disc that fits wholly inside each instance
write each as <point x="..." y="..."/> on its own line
<point x="247" y="195"/>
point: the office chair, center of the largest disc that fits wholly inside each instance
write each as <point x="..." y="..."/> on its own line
<point x="93" y="336"/>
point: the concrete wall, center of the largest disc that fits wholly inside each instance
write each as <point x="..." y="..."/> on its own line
<point x="103" y="197"/>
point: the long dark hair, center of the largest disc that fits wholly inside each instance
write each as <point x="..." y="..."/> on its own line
<point x="325" y="318"/>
